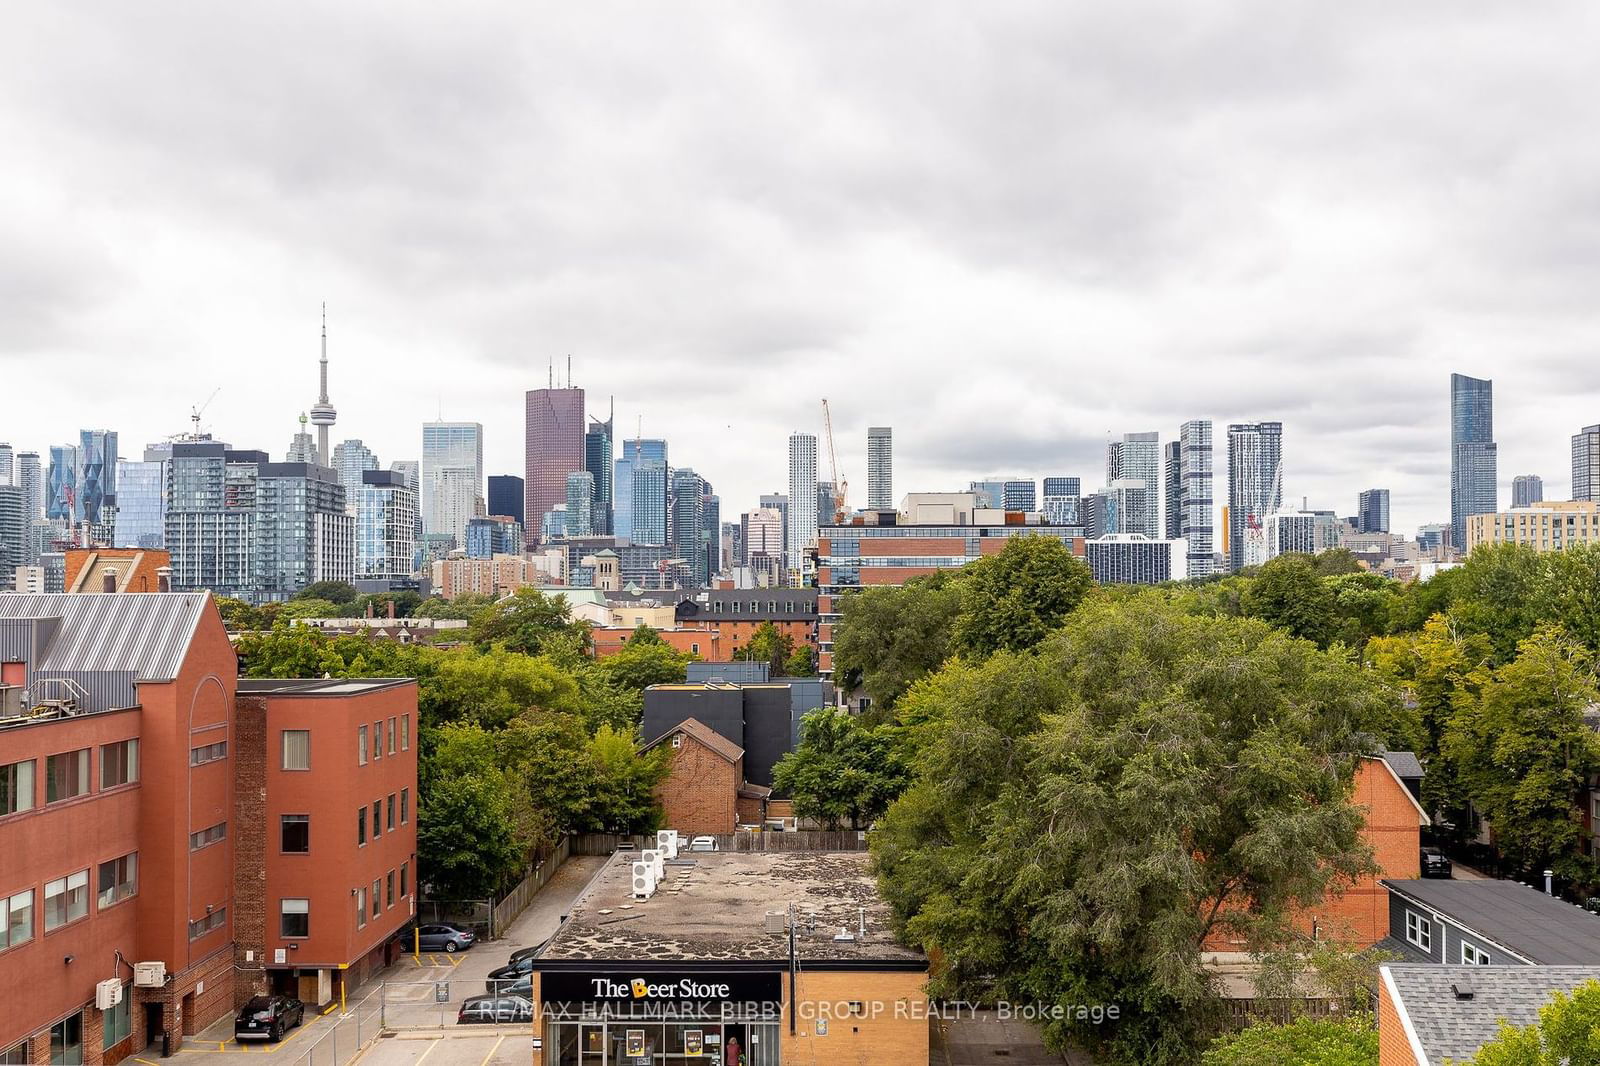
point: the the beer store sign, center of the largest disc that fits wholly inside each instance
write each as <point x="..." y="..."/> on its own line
<point x="621" y="993"/>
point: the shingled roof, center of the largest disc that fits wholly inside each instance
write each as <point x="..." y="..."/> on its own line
<point x="698" y="730"/>
<point x="1442" y="1026"/>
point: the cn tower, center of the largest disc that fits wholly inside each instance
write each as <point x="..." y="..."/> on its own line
<point x="322" y="413"/>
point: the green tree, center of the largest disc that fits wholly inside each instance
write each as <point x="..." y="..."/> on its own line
<point x="462" y="608"/>
<point x="1012" y="600"/>
<point x="842" y="772"/>
<point x="1303" y="1042"/>
<point x="1289" y="594"/>
<point x="1570" y="596"/>
<point x="625" y="781"/>
<point x="1363" y="605"/>
<point x="645" y="634"/>
<point x="803" y="663"/>
<point x="1565" y="1034"/>
<point x="1499" y="595"/>
<point x="886" y="639"/>
<point x="530" y="622"/>
<point x="466" y="842"/>
<point x="1335" y="562"/>
<point x="306" y="607"/>
<point x="1525" y="753"/>
<point x="638" y="665"/>
<point x="767" y="645"/>
<point x="405" y="602"/>
<point x="1165" y="778"/>
<point x="333" y="591"/>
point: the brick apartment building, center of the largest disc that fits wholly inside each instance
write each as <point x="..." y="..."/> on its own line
<point x="131" y="812"/>
<point x="705" y="791"/>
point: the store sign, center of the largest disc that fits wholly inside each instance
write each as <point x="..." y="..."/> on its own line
<point x="625" y="994"/>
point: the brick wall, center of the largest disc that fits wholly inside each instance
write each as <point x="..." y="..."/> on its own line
<point x="899" y="1033"/>
<point x="701" y="790"/>
<point x="1393" y="1047"/>
<point x="250" y="840"/>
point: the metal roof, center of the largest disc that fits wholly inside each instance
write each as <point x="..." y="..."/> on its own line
<point x="146" y="634"/>
<point x="318" y="686"/>
<point x="1445" y="1028"/>
<point x="1540" y="928"/>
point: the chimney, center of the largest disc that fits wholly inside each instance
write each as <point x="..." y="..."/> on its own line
<point x="108" y="579"/>
<point x="1549" y="877"/>
<point x="369" y="608"/>
<point x="391" y="610"/>
<point x="164" y="578"/>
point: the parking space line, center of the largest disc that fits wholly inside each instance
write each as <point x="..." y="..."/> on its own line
<point x="492" y="1050"/>
<point x="425" y="1054"/>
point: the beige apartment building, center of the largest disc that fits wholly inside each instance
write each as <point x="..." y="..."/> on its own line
<point x="1547" y="526"/>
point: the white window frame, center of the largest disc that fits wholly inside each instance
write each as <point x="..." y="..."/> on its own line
<point x="283" y="748"/>
<point x="120" y="889"/>
<point x="64" y="889"/>
<point x="1419" y="931"/>
<point x="12" y="931"/>
<point x="1473" y="955"/>
<point x="294" y="905"/>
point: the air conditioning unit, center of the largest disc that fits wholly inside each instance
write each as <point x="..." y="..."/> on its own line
<point x="107" y="994"/>
<point x="644" y="880"/>
<point x="149" y="974"/>
<point x="667" y="842"/>
<point x="654" y="857"/>
<point x="777" y="921"/>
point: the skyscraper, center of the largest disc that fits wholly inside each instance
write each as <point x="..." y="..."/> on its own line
<point x="323" y="415"/>
<point x="141" y="505"/>
<point x="802" y="517"/>
<point x="597" y="460"/>
<point x="711" y="515"/>
<point x="1372" y="511"/>
<point x="779" y="502"/>
<point x="7" y="463"/>
<point x="632" y="453"/>
<point x="302" y="446"/>
<point x="688" y="522"/>
<point x="1019" y="494"/>
<point x="97" y="476"/>
<point x="1172" y="473"/>
<point x="1063" y="486"/>
<point x="580" y="504"/>
<point x="554" y="448"/>
<point x="1585" y="464"/>
<point x="303" y="532"/>
<point x="61" y="493"/>
<point x="452" y="477"/>
<point x="411" y="470"/>
<point x="386" y="523"/>
<point x="352" y="458"/>
<point x="1255" y="488"/>
<point x="30" y="479"/>
<point x="211" y="518"/>
<point x="506" y="496"/>
<point x="1529" y="488"/>
<point x="15" y="535"/>
<point x="1137" y="456"/>
<point x="1473" y="462"/>
<point x="880" y="468"/>
<point x="1195" y="478"/>
<point x="650" y="495"/>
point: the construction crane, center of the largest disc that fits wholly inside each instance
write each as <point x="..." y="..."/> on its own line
<point x="194" y="417"/>
<point x="840" y="486"/>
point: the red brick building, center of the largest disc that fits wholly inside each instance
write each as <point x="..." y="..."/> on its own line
<point x="129" y="569"/>
<point x="124" y="769"/>
<point x="704" y="791"/>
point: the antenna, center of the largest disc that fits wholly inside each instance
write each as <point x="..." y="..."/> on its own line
<point x="550" y="374"/>
<point x="569" y="371"/>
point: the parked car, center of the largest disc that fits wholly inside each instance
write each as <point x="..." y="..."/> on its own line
<point x="511" y="986"/>
<point x="502" y="978"/>
<point x="1435" y="863"/>
<point x="495" y="1010"/>
<point x="527" y="953"/>
<point x="438" y="936"/>
<point x="266" y="1017"/>
<point x="703" y="844"/>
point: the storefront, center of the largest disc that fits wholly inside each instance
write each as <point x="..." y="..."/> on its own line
<point x="639" y="1016"/>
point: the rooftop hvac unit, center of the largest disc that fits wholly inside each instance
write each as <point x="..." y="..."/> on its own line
<point x="667" y="841"/>
<point x="11" y="700"/>
<point x="777" y="921"/>
<point x="107" y="994"/>
<point x="644" y="880"/>
<point x="653" y="857"/>
<point x="149" y="974"/>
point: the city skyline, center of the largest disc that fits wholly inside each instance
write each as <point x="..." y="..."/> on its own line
<point x="1027" y="296"/>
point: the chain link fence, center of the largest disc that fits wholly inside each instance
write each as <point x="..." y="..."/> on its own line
<point x="424" y="1004"/>
<point x="351" y="1033"/>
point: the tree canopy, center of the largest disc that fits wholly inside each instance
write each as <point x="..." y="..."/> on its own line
<point x="1565" y="1034"/>
<point x="843" y="773"/>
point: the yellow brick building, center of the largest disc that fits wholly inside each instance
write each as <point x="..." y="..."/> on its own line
<point x="1547" y="526"/>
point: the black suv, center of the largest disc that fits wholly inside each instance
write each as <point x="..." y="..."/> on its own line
<point x="1435" y="863"/>
<point x="266" y="1017"/>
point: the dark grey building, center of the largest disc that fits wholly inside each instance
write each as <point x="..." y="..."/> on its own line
<point x="763" y="718"/>
<point x="1487" y="923"/>
<point x="15" y="534"/>
<point x="1473" y="460"/>
<point x="1372" y="511"/>
<point x="506" y="496"/>
<point x="1529" y="488"/>
<point x="1586" y="464"/>
<point x="597" y="444"/>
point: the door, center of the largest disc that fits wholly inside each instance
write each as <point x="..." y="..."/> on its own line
<point x="152" y="1024"/>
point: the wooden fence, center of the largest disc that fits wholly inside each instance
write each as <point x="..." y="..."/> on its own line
<point x="505" y="909"/>
<point x="804" y="840"/>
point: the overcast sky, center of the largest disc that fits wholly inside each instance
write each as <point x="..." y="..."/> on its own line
<point x="1005" y="229"/>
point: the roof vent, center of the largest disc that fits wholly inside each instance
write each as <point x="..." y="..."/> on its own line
<point x="844" y="936"/>
<point x="777" y="921"/>
<point x="1462" y="989"/>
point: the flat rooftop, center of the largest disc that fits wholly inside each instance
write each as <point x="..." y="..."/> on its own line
<point x="713" y="906"/>
<point x="318" y="686"/>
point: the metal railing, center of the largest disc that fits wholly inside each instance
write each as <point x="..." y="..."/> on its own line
<point x="350" y="1034"/>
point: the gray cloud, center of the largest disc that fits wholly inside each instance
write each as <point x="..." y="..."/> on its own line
<point x="1005" y="229"/>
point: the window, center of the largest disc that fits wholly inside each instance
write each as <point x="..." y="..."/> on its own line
<point x="361" y="826"/>
<point x="294" y="917"/>
<point x="16" y="787"/>
<point x="377" y="740"/>
<point x="119" y="764"/>
<point x="207" y="836"/>
<point x="16" y="1056"/>
<point x="297" y="749"/>
<point x="207" y="753"/>
<point x="377" y="819"/>
<point x="16" y="919"/>
<point x="66" y="899"/>
<point x="405" y="805"/>
<point x="391" y="736"/>
<point x="201" y="926"/>
<point x="294" y="834"/>
<point x="66" y="775"/>
<point x="361" y="908"/>
<point x="404" y="869"/>
<point x="377" y="897"/>
<point x="405" y="732"/>
<point x="388" y="889"/>
<point x="1472" y="955"/>
<point x="66" y="1041"/>
<point x="1419" y="931"/>
<point x="388" y="814"/>
<point x="119" y="1019"/>
<point x="118" y="880"/>
<point x="361" y="746"/>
